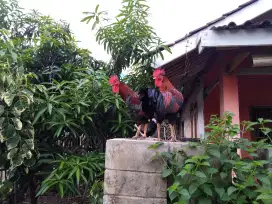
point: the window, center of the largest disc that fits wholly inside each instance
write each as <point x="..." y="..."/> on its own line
<point x="193" y="111"/>
<point x="260" y="112"/>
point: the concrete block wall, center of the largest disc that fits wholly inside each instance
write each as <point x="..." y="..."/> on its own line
<point x="132" y="176"/>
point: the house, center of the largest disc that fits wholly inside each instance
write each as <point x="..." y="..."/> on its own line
<point x="226" y="65"/>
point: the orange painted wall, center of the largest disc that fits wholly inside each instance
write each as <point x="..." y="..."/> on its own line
<point x="253" y="91"/>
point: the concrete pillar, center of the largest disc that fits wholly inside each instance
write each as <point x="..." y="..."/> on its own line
<point x="229" y="96"/>
<point x="132" y="176"/>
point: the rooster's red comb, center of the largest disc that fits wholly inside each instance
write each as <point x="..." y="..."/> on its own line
<point x="158" y="72"/>
<point x="113" y="79"/>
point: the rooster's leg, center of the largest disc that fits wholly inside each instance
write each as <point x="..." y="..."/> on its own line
<point x="173" y="135"/>
<point x="159" y="131"/>
<point x="138" y="132"/>
<point x="145" y="130"/>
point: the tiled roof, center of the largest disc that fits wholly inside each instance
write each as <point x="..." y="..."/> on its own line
<point x="213" y="22"/>
<point x="247" y="25"/>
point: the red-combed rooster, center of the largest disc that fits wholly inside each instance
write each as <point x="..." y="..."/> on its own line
<point x="168" y="101"/>
<point x="132" y="99"/>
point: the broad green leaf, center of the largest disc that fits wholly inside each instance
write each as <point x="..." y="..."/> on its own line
<point x="212" y="170"/>
<point x="166" y="173"/>
<point x="31" y="161"/>
<point x="13" y="141"/>
<point x="29" y="144"/>
<point x="205" y="164"/>
<point x="182" y="173"/>
<point x="185" y="194"/>
<point x="265" y="180"/>
<point x="220" y="191"/>
<point x="173" y="195"/>
<point x="264" y="197"/>
<point x="8" y="98"/>
<point x="225" y="197"/>
<point x="2" y="109"/>
<point x="192" y="188"/>
<point x="2" y="119"/>
<point x="200" y="174"/>
<point x="231" y="189"/>
<point x="17" y="123"/>
<point x="9" y="131"/>
<point x="12" y="153"/>
<point x="208" y="190"/>
<point x="17" y="160"/>
<point x="19" y="107"/>
<point x="214" y="152"/>
<point x="223" y="175"/>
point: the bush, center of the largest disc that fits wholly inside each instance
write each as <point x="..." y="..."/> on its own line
<point x="220" y="175"/>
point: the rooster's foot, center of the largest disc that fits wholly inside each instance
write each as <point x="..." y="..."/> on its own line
<point x="136" y="137"/>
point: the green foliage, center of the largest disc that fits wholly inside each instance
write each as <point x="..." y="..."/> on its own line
<point x="16" y="95"/>
<point x="208" y="178"/>
<point x="54" y="101"/>
<point x="129" y="40"/>
<point x="73" y="173"/>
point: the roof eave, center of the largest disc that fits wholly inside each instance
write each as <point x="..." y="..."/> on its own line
<point x="236" y="38"/>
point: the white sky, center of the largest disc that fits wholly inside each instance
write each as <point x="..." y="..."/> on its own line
<point x="172" y="19"/>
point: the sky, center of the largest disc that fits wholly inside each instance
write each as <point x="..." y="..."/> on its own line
<point x="171" y="19"/>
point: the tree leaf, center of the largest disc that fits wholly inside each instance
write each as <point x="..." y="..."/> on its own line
<point x="2" y="109"/>
<point x="192" y="188"/>
<point x="17" y="160"/>
<point x="61" y="190"/>
<point x="231" y="189"/>
<point x="49" y="107"/>
<point x="200" y="174"/>
<point x="220" y="191"/>
<point x="215" y="152"/>
<point x="212" y="170"/>
<point x="207" y="189"/>
<point x="223" y="175"/>
<point x="166" y="173"/>
<point x="8" y="98"/>
<point x="205" y="164"/>
<point x="12" y="153"/>
<point x="17" y="123"/>
<point x="225" y="197"/>
<point x="39" y="115"/>
<point x="13" y="141"/>
<point x="78" y="175"/>
<point x="185" y="194"/>
<point x="264" y="197"/>
<point x="29" y="144"/>
<point x="96" y="8"/>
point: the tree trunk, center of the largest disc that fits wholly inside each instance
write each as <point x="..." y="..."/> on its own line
<point x="32" y="186"/>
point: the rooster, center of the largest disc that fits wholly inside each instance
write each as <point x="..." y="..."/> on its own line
<point x="132" y="99"/>
<point x="167" y="101"/>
